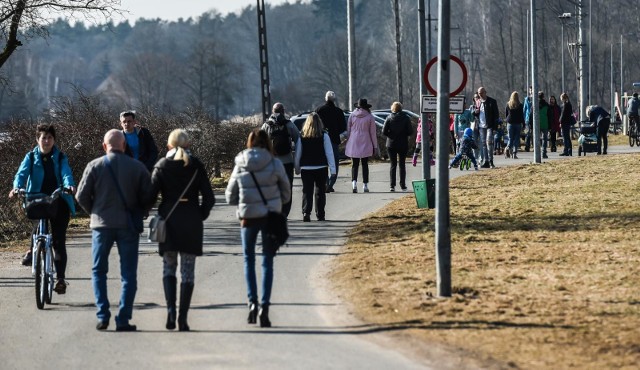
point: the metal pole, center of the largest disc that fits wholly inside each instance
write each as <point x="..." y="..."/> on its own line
<point x="537" y="157"/>
<point x="443" y="227"/>
<point x="426" y="138"/>
<point x="582" y="61"/>
<point x="621" y="77"/>
<point x="396" y="10"/>
<point x="611" y="87"/>
<point x="589" y="76"/>
<point x="562" y="47"/>
<point x="528" y="83"/>
<point x="352" y="53"/>
<point x="264" y="60"/>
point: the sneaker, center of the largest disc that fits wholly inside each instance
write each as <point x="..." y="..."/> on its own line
<point x="514" y="156"/>
<point x="365" y="188"/>
<point x="61" y="286"/>
<point x="476" y="168"/>
<point x="27" y="259"/>
<point x="404" y="188"/>
<point x="545" y="156"/>
<point x="392" y="189"/>
<point x="320" y="218"/>
<point x="126" y="327"/>
<point x="329" y="190"/>
<point x="486" y="165"/>
<point x="306" y="218"/>
<point x="491" y="164"/>
<point x="414" y="161"/>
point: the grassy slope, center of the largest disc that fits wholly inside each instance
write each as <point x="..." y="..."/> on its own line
<point x="545" y="266"/>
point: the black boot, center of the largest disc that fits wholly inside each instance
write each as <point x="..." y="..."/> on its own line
<point x="186" y="290"/>
<point x="170" y="283"/>
<point x="253" y="312"/>
<point x="264" y="317"/>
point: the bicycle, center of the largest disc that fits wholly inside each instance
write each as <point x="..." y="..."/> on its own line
<point x="42" y="207"/>
<point x="465" y="163"/>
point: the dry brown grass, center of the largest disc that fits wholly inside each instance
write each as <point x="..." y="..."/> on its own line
<point x="545" y="266"/>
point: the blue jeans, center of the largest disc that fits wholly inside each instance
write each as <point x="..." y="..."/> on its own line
<point x="566" y="137"/>
<point x="101" y="242"/>
<point x="486" y="144"/>
<point x="545" y="140"/>
<point x="514" y="136"/>
<point x="249" y="235"/>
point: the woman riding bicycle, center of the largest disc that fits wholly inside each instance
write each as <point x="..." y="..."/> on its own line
<point x="43" y="170"/>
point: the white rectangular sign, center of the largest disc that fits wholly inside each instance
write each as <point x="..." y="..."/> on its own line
<point x="430" y="104"/>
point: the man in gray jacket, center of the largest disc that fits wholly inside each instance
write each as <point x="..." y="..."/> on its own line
<point x="111" y="187"/>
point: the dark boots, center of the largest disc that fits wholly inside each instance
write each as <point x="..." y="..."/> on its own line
<point x="169" y="283"/>
<point x="253" y="313"/>
<point x="264" y="317"/>
<point x="186" y="290"/>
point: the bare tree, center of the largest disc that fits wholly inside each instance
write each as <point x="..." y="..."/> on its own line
<point x="29" y="18"/>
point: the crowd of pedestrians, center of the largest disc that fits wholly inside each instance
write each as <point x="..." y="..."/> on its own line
<point x="119" y="188"/>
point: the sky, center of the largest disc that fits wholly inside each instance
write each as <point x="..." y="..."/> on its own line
<point x="172" y="10"/>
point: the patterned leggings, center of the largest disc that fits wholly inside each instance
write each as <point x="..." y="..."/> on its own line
<point x="187" y="265"/>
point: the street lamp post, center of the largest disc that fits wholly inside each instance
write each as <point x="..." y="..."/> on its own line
<point x="562" y="17"/>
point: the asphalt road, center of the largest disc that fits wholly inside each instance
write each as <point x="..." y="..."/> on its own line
<point x="312" y="327"/>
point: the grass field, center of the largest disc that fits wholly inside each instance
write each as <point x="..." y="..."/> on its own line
<point x="545" y="267"/>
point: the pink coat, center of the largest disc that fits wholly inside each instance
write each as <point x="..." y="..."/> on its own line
<point x="361" y="132"/>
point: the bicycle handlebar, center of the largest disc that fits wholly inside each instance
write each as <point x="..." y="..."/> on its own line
<point x="63" y="189"/>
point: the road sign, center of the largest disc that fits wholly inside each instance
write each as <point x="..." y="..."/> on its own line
<point x="457" y="75"/>
<point x="430" y="104"/>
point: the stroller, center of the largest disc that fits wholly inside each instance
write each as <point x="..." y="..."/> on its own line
<point x="588" y="140"/>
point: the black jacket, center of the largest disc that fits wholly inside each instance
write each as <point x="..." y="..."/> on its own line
<point x="333" y="120"/>
<point x="565" y="114"/>
<point x="397" y="128"/>
<point x="491" y="112"/>
<point x="148" y="152"/>
<point x="185" y="226"/>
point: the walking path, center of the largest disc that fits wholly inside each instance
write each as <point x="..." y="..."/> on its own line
<point x="311" y="326"/>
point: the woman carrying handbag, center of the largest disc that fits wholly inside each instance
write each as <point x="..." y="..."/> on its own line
<point x="257" y="175"/>
<point x="181" y="178"/>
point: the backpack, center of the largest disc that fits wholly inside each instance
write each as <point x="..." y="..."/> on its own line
<point x="280" y="137"/>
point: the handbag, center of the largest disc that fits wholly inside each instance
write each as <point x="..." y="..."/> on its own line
<point x="134" y="216"/>
<point x="158" y="225"/>
<point x="277" y="231"/>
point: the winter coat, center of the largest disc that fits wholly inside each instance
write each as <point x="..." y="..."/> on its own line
<point x="515" y="116"/>
<point x="397" y="128"/>
<point x="362" y="141"/>
<point x="554" y="118"/>
<point x="243" y="192"/>
<point x="294" y="133"/>
<point x="30" y="175"/>
<point x="98" y="195"/>
<point x="491" y="112"/>
<point x="463" y="120"/>
<point x="597" y="114"/>
<point x="185" y="225"/>
<point x="147" y="149"/>
<point x="528" y="106"/>
<point x="565" y="115"/>
<point x="543" y="108"/>
<point x="333" y="120"/>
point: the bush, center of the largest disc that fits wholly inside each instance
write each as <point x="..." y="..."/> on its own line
<point x="81" y="123"/>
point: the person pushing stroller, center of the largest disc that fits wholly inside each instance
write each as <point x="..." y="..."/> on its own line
<point x="467" y="145"/>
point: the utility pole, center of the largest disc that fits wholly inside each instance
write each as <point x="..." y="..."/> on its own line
<point x="426" y="137"/>
<point x="396" y="10"/>
<point x="264" y="60"/>
<point x="590" y="29"/>
<point x="352" y="52"/>
<point x="537" y="157"/>
<point x="443" y="225"/>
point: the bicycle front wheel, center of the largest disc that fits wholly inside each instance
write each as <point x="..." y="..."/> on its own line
<point x="41" y="275"/>
<point x="50" y="281"/>
<point x="632" y="134"/>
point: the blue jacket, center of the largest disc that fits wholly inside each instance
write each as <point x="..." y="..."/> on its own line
<point x="31" y="175"/>
<point x="527" y="110"/>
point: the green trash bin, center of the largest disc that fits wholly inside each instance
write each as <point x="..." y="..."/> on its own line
<point x="425" y="192"/>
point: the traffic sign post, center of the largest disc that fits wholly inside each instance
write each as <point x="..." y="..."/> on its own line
<point x="430" y="104"/>
<point x="457" y="76"/>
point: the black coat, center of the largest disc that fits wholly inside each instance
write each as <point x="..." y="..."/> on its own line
<point x="333" y="120"/>
<point x="185" y="225"/>
<point x="148" y="151"/>
<point x="397" y="128"/>
<point x="491" y="112"/>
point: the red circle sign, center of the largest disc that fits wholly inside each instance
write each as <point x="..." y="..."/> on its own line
<point x="457" y="76"/>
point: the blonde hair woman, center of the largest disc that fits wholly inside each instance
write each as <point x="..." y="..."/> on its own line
<point x="257" y="164"/>
<point x="515" y="120"/>
<point x="181" y="172"/>
<point x="314" y="154"/>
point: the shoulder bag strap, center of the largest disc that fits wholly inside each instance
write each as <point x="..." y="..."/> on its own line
<point x="258" y="186"/>
<point x="181" y="195"/>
